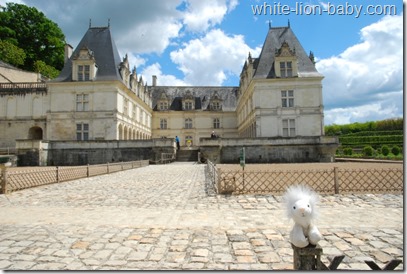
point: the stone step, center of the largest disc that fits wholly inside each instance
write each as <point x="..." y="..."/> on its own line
<point x="187" y="155"/>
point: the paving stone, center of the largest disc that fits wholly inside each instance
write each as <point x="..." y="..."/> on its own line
<point x="137" y="256"/>
<point x="200" y="253"/>
<point x="271" y="257"/>
<point x="4" y="264"/>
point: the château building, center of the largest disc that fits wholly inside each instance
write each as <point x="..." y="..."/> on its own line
<point x="98" y="97"/>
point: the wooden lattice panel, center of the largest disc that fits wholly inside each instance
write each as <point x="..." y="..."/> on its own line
<point x="368" y="180"/>
<point x="274" y="182"/>
<point x="17" y="180"/>
<point x="326" y="181"/>
<point x="97" y="170"/>
<point x="72" y="173"/>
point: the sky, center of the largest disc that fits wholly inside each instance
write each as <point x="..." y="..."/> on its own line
<point x="358" y="45"/>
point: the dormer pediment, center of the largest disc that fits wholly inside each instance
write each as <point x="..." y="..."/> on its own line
<point x="285" y="51"/>
<point x="85" y="54"/>
<point x="188" y="96"/>
<point x="163" y="96"/>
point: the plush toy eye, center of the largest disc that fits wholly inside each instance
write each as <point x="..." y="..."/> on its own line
<point x="308" y="205"/>
<point x="294" y="207"/>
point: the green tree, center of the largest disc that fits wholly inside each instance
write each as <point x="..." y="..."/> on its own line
<point x="11" y="54"/>
<point x="29" y="29"/>
<point x="44" y="69"/>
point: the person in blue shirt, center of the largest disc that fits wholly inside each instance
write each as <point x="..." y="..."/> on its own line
<point x="177" y="141"/>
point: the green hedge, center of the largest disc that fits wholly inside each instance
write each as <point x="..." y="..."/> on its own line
<point x="373" y="139"/>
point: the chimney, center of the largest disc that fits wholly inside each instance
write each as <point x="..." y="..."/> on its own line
<point x="154" y="80"/>
<point x="68" y="52"/>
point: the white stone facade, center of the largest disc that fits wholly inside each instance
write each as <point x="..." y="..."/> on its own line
<point x="99" y="98"/>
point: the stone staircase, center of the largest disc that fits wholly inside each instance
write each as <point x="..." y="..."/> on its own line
<point x="187" y="155"/>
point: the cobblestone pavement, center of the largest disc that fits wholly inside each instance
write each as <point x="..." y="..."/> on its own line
<point x="165" y="217"/>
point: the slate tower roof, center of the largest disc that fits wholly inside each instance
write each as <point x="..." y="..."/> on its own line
<point x="98" y="40"/>
<point x="264" y="64"/>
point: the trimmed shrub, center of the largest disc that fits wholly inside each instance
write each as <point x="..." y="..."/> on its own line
<point x="347" y="151"/>
<point x="368" y="151"/>
<point x="385" y="150"/>
<point x="395" y="150"/>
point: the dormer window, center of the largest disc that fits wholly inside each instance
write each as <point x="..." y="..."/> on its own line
<point x="163" y="102"/>
<point x="83" y="72"/>
<point x="286" y="69"/>
<point x="84" y="66"/>
<point x="188" y="102"/>
<point x="215" y="106"/>
<point x="163" y="106"/>
<point x="285" y="62"/>
<point x="215" y="102"/>
<point x="188" y="105"/>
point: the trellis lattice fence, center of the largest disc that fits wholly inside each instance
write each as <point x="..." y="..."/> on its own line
<point x="13" y="179"/>
<point x="326" y="181"/>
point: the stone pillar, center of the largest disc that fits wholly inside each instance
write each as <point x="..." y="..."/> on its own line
<point x="307" y="258"/>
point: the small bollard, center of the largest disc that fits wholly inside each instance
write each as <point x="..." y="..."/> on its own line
<point x="307" y="258"/>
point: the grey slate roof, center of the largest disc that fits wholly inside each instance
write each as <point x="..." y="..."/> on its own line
<point x="202" y="96"/>
<point x="264" y="64"/>
<point x="100" y="41"/>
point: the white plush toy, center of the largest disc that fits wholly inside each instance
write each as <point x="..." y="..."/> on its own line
<point x="301" y="204"/>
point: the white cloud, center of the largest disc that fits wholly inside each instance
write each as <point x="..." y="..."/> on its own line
<point x="201" y="15"/>
<point x="149" y="37"/>
<point x="359" y="81"/>
<point x="386" y="108"/>
<point x="208" y="60"/>
<point x="162" y="79"/>
<point x="142" y="26"/>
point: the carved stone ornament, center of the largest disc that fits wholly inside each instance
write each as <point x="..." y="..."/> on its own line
<point x="285" y="51"/>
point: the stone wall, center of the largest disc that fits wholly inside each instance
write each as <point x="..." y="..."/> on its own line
<point x="270" y="150"/>
<point x="71" y="153"/>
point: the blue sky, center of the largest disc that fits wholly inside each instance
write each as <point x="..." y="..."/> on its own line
<point x="195" y="42"/>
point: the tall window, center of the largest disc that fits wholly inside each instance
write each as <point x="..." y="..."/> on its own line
<point x="134" y="111"/>
<point x="126" y="107"/>
<point x="82" y="102"/>
<point x="288" y="128"/>
<point x="83" y="73"/>
<point x="287" y="98"/>
<point x="216" y="123"/>
<point x="286" y="69"/>
<point x="82" y="132"/>
<point x="141" y="116"/>
<point x="163" y="123"/>
<point x="188" y="123"/>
